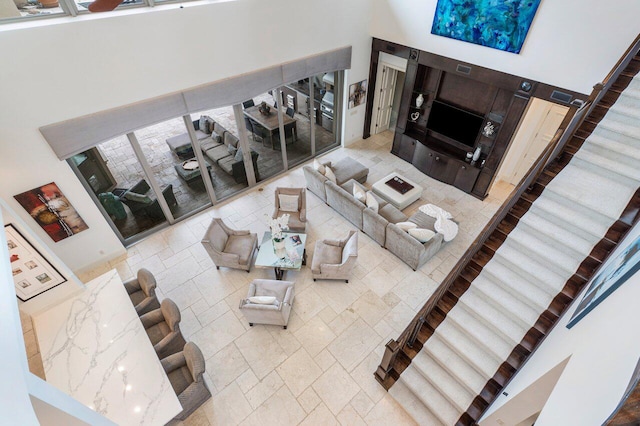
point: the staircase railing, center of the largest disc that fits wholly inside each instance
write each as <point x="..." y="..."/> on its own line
<point x="551" y="153"/>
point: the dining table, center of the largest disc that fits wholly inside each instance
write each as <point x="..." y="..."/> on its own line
<point x="270" y="121"/>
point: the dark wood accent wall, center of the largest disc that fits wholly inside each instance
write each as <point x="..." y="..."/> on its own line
<point x="499" y="97"/>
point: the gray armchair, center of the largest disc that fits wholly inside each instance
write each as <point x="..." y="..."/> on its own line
<point x="275" y="314"/>
<point x="297" y="218"/>
<point x="163" y="328"/>
<point x="142" y="292"/>
<point x="335" y="259"/>
<point x="229" y="247"/>
<point x="185" y="371"/>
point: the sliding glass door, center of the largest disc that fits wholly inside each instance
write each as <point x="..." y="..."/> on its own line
<point x="164" y="173"/>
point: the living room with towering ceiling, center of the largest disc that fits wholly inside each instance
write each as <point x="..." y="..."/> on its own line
<point x="104" y="61"/>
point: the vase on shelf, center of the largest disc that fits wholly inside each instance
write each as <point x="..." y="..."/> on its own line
<point x="419" y="100"/>
<point x="476" y="153"/>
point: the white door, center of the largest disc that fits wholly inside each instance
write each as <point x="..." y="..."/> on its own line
<point x="536" y="131"/>
<point x="385" y="98"/>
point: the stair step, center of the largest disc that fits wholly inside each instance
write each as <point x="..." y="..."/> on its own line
<point x="413" y="405"/>
<point x="537" y="264"/>
<point x="560" y="230"/>
<point x="562" y="257"/>
<point x="491" y="319"/>
<point x="605" y="168"/>
<point x="611" y="161"/>
<point x="468" y="348"/>
<point x="590" y="221"/>
<point x="484" y="331"/>
<point x="620" y="123"/>
<point x="456" y="393"/>
<point x="513" y="281"/>
<point x="456" y="366"/>
<point x="514" y="304"/>
<point x="615" y="143"/>
<point x="545" y="278"/>
<point x="431" y="397"/>
<point x="590" y="190"/>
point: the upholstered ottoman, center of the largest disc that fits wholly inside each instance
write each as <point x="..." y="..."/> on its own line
<point x="348" y="168"/>
<point x="181" y="145"/>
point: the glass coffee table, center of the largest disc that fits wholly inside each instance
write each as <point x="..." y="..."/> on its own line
<point x="291" y="258"/>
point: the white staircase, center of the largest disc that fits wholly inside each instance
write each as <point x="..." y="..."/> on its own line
<point x="527" y="271"/>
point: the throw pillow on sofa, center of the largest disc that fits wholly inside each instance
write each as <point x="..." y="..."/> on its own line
<point x="359" y="193"/>
<point x="421" y="234"/>
<point x="405" y="226"/>
<point x="238" y="156"/>
<point x="318" y="166"/>
<point x="232" y="150"/>
<point x="329" y="174"/>
<point x="372" y="203"/>
<point x="140" y="198"/>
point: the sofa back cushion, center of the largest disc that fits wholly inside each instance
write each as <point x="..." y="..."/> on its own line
<point x="230" y="139"/>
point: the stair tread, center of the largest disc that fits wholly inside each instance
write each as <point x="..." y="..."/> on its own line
<point x="469" y="319"/>
<point x="413" y="405"/>
<point x="591" y="191"/>
<point x="562" y="257"/>
<point x="491" y="316"/>
<point x="455" y="392"/>
<point x="457" y="366"/>
<point x="615" y="142"/>
<point x="588" y="220"/>
<point x="533" y="266"/>
<point x="431" y="396"/>
<point x="462" y="344"/>
<point x="510" y="277"/>
<point x="515" y="303"/>
<point x="605" y="168"/>
<point x="560" y="230"/>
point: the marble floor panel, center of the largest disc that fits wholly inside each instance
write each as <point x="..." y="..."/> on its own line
<point x="320" y="370"/>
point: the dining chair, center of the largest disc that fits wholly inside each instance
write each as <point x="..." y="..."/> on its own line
<point x="290" y="112"/>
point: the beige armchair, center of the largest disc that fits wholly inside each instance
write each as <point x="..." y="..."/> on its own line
<point x="297" y="215"/>
<point x="142" y="291"/>
<point x="334" y="259"/>
<point x="229" y="247"/>
<point x="185" y="370"/>
<point x="163" y="328"/>
<point x="276" y="313"/>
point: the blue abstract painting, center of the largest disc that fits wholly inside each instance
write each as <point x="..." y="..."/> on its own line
<point x="500" y="24"/>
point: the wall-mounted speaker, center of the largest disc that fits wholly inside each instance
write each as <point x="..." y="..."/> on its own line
<point x="463" y="69"/>
<point x="561" y="96"/>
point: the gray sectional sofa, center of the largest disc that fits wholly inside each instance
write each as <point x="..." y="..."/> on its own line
<point x="380" y="226"/>
<point x="218" y="145"/>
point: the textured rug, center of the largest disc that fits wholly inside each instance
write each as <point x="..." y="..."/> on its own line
<point x="530" y="268"/>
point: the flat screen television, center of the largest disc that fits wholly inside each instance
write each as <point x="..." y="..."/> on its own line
<point x="455" y="123"/>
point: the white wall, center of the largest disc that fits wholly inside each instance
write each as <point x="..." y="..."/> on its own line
<point x="571" y="44"/>
<point x="64" y="68"/>
<point x="604" y="349"/>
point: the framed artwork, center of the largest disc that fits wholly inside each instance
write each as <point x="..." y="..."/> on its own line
<point x="357" y="93"/>
<point x="499" y="24"/>
<point x="624" y="262"/>
<point x="32" y="273"/>
<point x="48" y="206"/>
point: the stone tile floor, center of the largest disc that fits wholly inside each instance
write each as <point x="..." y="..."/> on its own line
<point x="320" y="370"/>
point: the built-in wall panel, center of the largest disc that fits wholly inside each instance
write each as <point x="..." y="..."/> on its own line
<point x="451" y="110"/>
